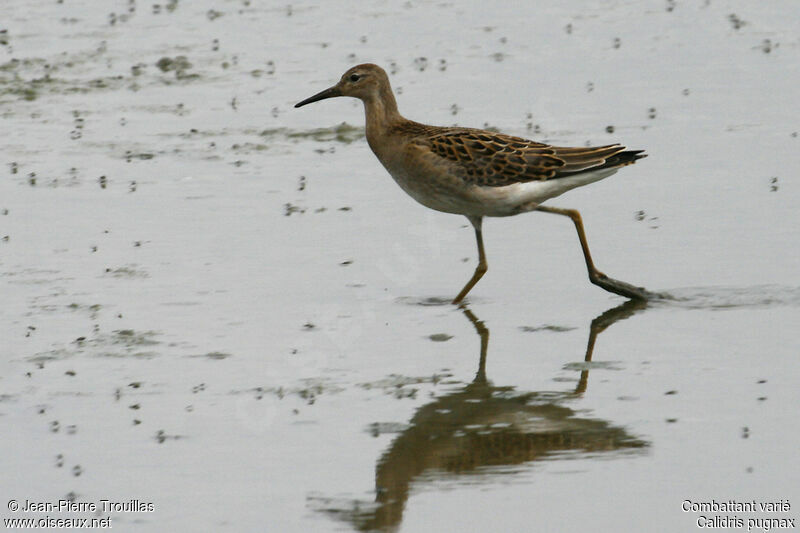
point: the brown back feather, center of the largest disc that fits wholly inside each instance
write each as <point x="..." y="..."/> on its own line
<point x="494" y="160"/>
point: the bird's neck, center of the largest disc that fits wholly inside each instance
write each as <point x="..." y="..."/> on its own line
<point x="381" y="113"/>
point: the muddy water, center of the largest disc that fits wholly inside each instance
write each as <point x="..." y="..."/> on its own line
<point x="223" y="306"/>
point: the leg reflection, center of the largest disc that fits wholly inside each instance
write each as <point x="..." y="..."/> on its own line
<point x="599" y="325"/>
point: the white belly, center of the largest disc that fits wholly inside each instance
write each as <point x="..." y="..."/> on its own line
<point x="451" y="196"/>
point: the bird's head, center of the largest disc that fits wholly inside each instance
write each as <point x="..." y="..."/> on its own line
<point x="362" y="81"/>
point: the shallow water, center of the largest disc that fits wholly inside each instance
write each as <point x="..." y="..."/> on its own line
<point x="223" y="306"/>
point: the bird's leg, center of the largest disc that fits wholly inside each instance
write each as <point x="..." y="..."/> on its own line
<point x="595" y="276"/>
<point x="482" y="267"/>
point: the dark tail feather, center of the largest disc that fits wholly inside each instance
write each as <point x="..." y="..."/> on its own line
<point x="622" y="159"/>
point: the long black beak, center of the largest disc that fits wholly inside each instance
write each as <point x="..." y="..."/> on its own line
<point x="330" y="92"/>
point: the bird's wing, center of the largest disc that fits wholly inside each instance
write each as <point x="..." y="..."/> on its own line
<point x="494" y="160"/>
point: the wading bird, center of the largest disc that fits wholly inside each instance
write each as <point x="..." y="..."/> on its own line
<point x="478" y="173"/>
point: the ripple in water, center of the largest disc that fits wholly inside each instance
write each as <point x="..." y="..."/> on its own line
<point x="734" y="297"/>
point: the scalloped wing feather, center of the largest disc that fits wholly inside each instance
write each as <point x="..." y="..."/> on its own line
<point x="495" y="160"/>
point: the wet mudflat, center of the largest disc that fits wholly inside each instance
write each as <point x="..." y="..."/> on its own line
<point x="224" y="306"/>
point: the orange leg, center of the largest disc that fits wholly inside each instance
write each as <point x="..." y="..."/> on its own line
<point x="595" y="276"/>
<point x="482" y="267"/>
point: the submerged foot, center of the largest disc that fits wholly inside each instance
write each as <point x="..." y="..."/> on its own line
<point x="625" y="289"/>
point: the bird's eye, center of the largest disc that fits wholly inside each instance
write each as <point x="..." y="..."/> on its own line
<point x="354" y="77"/>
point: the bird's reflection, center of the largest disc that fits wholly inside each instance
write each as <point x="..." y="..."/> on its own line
<point x="485" y="429"/>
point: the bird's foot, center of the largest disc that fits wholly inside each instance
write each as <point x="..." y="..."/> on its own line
<point x="624" y="289"/>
